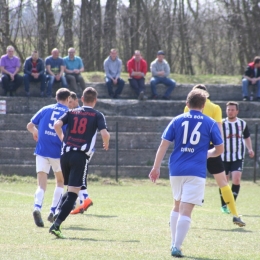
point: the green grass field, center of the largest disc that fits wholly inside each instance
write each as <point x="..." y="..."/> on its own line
<point x="129" y="220"/>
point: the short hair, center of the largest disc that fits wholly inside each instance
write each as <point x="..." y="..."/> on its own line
<point x="10" y="47"/>
<point x="196" y="98"/>
<point x="113" y="50"/>
<point x="73" y="95"/>
<point x="256" y="59"/>
<point x="55" y="49"/>
<point x="62" y="94"/>
<point x="233" y="103"/>
<point x="71" y="49"/>
<point x="137" y="52"/>
<point x="202" y="87"/>
<point x="89" y="95"/>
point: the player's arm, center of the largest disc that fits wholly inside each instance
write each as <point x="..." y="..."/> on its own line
<point x="155" y="172"/>
<point x="105" y="138"/>
<point x="216" y="151"/>
<point x="58" y="129"/>
<point x="248" y="143"/>
<point x="32" y="129"/>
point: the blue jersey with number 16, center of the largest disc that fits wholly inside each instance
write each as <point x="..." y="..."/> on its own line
<point x="49" y="144"/>
<point x="192" y="133"/>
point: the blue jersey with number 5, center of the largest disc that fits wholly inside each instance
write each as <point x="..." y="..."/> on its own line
<point x="192" y="133"/>
<point x="49" y="144"/>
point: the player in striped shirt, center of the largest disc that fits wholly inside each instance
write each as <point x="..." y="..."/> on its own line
<point x="236" y="140"/>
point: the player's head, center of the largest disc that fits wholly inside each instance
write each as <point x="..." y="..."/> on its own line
<point x="63" y="96"/>
<point x="232" y="109"/>
<point x="202" y="87"/>
<point x="89" y="96"/>
<point x="73" y="102"/>
<point x="196" y="99"/>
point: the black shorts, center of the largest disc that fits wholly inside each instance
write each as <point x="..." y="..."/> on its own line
<point x="74" y="166"/>
<point x="236" y="166"/>
<point x="215" y="164"/>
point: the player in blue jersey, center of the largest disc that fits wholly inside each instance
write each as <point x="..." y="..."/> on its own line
<point x="47" y="152"/>
<point x="78" y="144"/>
<point x="191" y="133"/>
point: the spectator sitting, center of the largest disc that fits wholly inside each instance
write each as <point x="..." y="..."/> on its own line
<point x="137" y="69"/>
<point x="54" y="71"/>
<point x="160" y="71"/>
<point x="251" y="77"/>
<point x="112" y="67"/>
<point x="73" y="67"/>
<point x="10" y="66"/>
<point x="34" y="71"/>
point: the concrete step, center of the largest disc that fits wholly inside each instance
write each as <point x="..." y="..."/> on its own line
<point x="217" y="92"/>
<point x="137" y="157"/>
<point x="149" y="140"/>
<point x="108" y="171"/>
<point x="120" y="107"/>
<point x="125" y="123"/>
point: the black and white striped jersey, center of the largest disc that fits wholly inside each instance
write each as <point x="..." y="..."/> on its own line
<point x="234" y="134"/>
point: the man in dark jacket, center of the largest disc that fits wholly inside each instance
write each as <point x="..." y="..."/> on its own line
<point x="34" y="71"/>
<point x="252" y="77"/>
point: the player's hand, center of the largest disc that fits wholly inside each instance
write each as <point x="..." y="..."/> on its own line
<point x="154" y="174"/>
<point x="251" y="153"/>
<point x="35" y="136"/>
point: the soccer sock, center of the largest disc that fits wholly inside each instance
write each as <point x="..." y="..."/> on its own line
<point x="66" y="208"/>
<point x="64" y="197"/>
<point x="221" y="199"/>
<point x="83" y="194"/>
<point x="182" y="228"/>
<point x="229" y="199"/>
<point x="57" y="195"/>
<point x="235" y="190"/>
<point x="173" y="222"/>
<point x="38" y="198"/>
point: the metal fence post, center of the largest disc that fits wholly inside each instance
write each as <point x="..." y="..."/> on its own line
<point x="116" y="151"/>
<point x="255" y="158"/>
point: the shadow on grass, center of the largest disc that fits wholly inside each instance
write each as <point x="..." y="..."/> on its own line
<point x="83" y="229"/>
<point x="240" y="230"/>
<point x="101" y="216"/>
<point x="101" y="240"/>
<point x="200" y="258"/>
<point x="251" y="216"/>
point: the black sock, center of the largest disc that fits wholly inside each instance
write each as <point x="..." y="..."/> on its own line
<point x="235" y="190"/>
<point x="64" y="197"/>
<point x="223" y="203"/>
<point x="66" y="208"/>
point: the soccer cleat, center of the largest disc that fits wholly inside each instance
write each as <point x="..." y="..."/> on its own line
<point x="86" y="204"/>
<point x="51" y="217"/>
<point x="225" y="209"/>
<point x="56" y="231"/>
<point x="38" y="218"/>
<point x="176" y="252"/>
<point x="238" y="221"/>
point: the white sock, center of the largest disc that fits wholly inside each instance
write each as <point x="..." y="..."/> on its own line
<point x="57" y="195"/>
<point x="38" y="198"/>
<point x="183" y="226"/>
<point x="173" y="223"/>
<point x="83" y="194"/>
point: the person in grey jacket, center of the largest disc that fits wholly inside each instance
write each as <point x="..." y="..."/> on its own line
<point x="160" y="71"/>
<point x="112" y="67"/>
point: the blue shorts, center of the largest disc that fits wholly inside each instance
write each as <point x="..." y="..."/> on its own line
<point x="236" y="166"/>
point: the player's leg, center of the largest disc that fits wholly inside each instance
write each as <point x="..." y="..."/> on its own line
<point x="58" y="191"/>
<point x="74" y="162"/>
<point x="192" y="193"/>
<point x="236" y="172"/>
<point x="42" y="168"/>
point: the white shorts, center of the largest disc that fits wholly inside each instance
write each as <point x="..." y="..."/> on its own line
<point x="43" y="164"/>
<point x="189" y="189"/>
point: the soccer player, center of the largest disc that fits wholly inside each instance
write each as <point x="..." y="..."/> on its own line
<point x="85" y="201"/>
<point x="236" y="139"/>
<point x="215" y="165"/>
<point x="191" y="133"/>
<point x="78" y="143"/>
<point x="47" y="152"/>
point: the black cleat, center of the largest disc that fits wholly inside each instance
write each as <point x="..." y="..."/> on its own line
<point x="238" y="221"/>
<point x="38" y="218"/>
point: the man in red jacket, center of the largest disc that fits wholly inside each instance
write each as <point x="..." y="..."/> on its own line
<point x="137" y="69"/>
